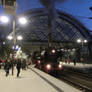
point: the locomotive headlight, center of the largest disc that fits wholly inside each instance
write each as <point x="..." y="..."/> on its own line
<point x="48" y="66"/>
<point x="39" y="61"/>
<point x="53" y="51"/>
<point x="59" y="66"/>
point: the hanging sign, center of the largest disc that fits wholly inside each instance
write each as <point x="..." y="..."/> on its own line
<point x="9" y="6"/>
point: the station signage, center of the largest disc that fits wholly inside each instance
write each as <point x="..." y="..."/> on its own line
<point x="9" y="6"/>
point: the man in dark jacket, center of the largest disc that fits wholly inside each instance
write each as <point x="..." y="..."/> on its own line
<point x="12" y="65"/>
<point x="18" y="66"/>
<point x="7" y="67"/>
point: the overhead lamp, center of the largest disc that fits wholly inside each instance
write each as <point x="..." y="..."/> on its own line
<point x="79" y="41"/>
<point x="85" y="41"/>
<point x="19" y="37"/>
<point x="22" y="20"/>
<point x="9" y="37"/>
<point x="4" y="19"/>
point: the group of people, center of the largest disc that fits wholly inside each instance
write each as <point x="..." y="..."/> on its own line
<point x="11" y="63"/>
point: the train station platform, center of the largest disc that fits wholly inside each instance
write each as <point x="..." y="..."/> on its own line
<point x="32" y="80"/>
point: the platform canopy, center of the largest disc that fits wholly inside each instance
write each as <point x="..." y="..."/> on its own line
<point x="35" y="33"/>
<point x="66" y="27"/>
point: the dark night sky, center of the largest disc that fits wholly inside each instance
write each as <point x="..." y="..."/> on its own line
<point x="78" y="8"/>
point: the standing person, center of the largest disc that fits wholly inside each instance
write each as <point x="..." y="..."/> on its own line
<point x="12" y="65"/>
<point x="7" y="67"/>
<point x="82" y="60"/>
<point x="18" y="67"/>
<point x="74" y="60"/>
<point x="0" y="63"/>
<point x="25" y="64"/>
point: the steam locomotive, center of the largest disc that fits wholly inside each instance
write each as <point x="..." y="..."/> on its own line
<point x="47" y="60"/>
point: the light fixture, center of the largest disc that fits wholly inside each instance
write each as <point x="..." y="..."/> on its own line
<point x="3" y="43"/>
<point x="48" y="66"/>
<point x="39" y="61"/>
<point x="4" y="19"/>
<point x="62" y="49"/>
<point x="22" y="20"/>
<point x="9" y="37"/>
<point x="73" y="49"/>
<point x="60" y="66"/>
<point x="85" y="41"/>
<point x="53" y="51"/>
<point x="19" y="37"/>
<point x="79" y="41"/>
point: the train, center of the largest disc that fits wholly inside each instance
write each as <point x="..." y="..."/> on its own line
<point x="47" y="60"/>
<point x="51" y="59"/>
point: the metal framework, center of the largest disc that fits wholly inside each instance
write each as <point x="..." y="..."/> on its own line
<point x="66" y="29"/>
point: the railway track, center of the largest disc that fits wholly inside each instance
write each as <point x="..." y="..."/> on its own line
<point x="87" y="72"/>
<point x="82" y="75"/>
<point x="75" y="84"/>
<point x="77" y="80"/>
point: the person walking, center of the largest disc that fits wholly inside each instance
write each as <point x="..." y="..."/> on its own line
<point x="12" y="65"/>
<point x="7" y="67"/>
<point x="18" y="67"/>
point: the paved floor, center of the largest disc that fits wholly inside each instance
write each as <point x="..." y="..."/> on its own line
<point x="29" y="81"/>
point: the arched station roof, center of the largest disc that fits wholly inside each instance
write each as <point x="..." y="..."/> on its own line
<point x="66" y="28"/>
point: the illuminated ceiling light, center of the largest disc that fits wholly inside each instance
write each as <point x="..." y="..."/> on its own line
<point x="4" y="19"/>
<point x="58" y="50"/>
<point x="3" y="43"/>
<point x="9" y="37"/>
<point x="69" y="50"/>
<point x="85" y="41"/>
<point x="73" y="49"/>
<point x="79" y="41"/>
<point x="62" y="49"/>
<point x="65" y="50"/>
<point x="20" y="37"/>
<point x="22" y="20"/>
